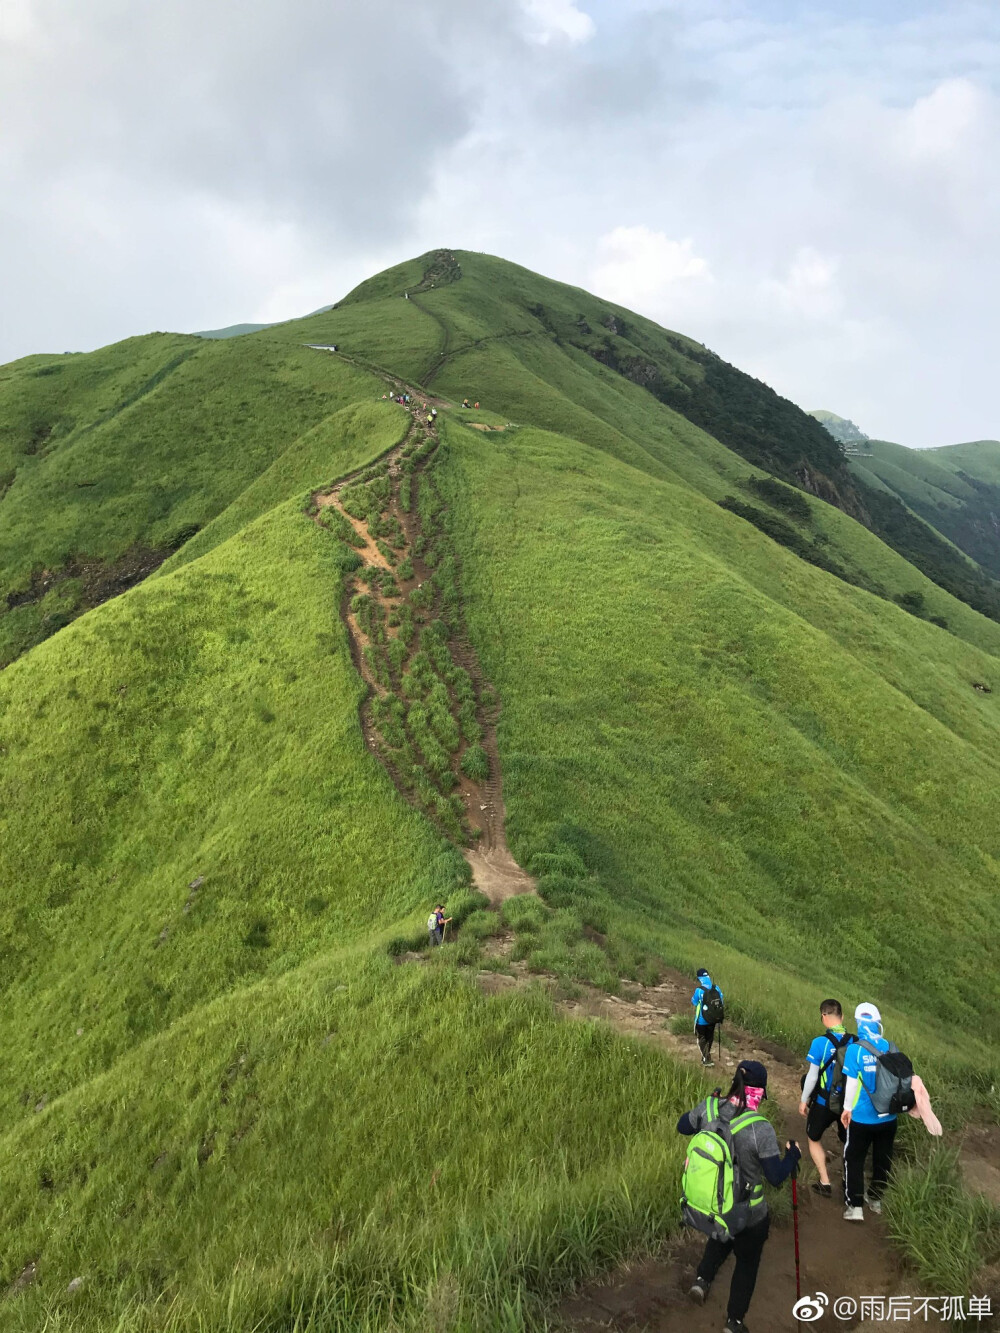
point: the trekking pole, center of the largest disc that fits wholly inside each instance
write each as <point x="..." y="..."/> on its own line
<point x="795" y="1228"/>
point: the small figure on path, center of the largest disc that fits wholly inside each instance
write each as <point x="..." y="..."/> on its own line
<point x="436" y="923"/>
<point x="708" y="1012"/>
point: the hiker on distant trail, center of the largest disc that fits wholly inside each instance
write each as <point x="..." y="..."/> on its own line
<point x="822" y="1100"/>
<point x="735" y="1149"/>
<point x="476" y="404"/>
<point x="436" y="923"/>
<point x="708" y="1012"/>
<point x="466" y="403"/>
<point x="877" y="1087"/>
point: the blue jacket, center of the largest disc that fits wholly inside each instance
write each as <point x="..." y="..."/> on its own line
<point x="699" y="995"/>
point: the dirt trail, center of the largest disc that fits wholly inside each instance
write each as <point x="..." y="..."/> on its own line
<point x="401" y="595"/>
<point x="837" y="1257"/>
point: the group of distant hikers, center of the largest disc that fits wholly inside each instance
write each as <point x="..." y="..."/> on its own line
<point x="859" y="1083"/>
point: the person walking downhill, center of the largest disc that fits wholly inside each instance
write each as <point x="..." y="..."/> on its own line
<point x="708" y="1011"/>
<point x="735" y="1150"/>
<point x="822" y="1099"/>
<point x="877" y="1087"/>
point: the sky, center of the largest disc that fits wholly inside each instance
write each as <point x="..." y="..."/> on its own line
<point x="811" y="189"/>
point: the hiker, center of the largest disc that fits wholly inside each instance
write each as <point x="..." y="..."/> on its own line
<point x="877" y="1087"/>
<point x="466" y="403"/>
<point x="822" y="1100"/>
<point x="734" y="1152"/>
<point x="708" y="1011"/>
<point x="436" y="923"/>
<point x="476" y="405"/>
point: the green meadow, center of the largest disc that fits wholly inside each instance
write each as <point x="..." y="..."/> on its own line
<point x="748" y="719"/>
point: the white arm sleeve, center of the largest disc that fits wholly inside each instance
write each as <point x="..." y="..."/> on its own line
<point x="850" y="1093"/>
<point x="812" y="1078"/>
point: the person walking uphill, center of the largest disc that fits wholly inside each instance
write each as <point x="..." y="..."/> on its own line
<point x="877" y="1087"/>
<point x="708" y="1012"/>
<point x="822" y="1100"/>
<point x="733" y="1151"/>
<point x="436" y="923"/>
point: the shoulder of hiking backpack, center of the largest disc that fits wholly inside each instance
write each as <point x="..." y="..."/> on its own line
<point x="893" y="1093"/>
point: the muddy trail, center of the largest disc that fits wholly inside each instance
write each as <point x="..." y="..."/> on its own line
<point x="837" y="1257"/>
<point x="429" y="715"/>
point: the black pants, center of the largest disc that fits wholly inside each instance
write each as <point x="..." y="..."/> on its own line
<point x="860" y="1138"/>
<point x="705" y="1033"/>
<point x="747" y="1246"/>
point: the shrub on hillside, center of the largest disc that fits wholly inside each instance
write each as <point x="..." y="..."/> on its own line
<point x="476" y="764"/>
<point x="784" y="497"/>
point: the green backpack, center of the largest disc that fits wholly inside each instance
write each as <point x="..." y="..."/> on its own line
<point x="715" y="1199"/>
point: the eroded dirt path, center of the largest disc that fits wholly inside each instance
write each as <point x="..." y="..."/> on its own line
<point x="430" y="715"/>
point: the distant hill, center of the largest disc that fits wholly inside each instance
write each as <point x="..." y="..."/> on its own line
<point x="744" y="710"/>
<point x="955" y="487"/>
<point x="841" y="428"/>
<point x="233" y="331"/>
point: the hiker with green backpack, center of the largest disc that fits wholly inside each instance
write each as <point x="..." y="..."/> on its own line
<point x="878" y="1086"/>
<point x="733" y="1150"/>
<point x="822" y="1100"/>
<point x="709" y="1012"/>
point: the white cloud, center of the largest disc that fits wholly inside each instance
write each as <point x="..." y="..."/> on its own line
<point x="816" y="213"/>
<point x="640" y="267"/>
<point x="551" y="20"/>
<point x="809" y="286"/>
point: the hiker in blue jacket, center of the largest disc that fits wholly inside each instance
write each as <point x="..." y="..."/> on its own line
<point x="818" y="1089"/>
<point x="865" y="1127"/>
<point x="707" y="1013"/>
<point x="756" y="1151"/>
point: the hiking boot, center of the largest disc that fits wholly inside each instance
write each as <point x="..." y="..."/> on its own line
<point x="699" y="1291"/>
<point x="874" y="1205"/>
<point x="735" y="1326"/>
<point x="824" y="1191"/>
<point x="706" y="1061"/>
<point x="854" y="1214"/>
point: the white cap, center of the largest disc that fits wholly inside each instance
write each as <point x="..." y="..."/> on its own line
<point x="869" y="1012"/>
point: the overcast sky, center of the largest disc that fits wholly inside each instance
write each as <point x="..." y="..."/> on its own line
<point x="812" y="189"/>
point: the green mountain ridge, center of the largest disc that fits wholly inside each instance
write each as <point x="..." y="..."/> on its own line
<point x="743" y="719"/>
<point x="955" y="487"/>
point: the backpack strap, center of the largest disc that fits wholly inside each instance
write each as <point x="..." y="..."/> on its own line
<point x="874" y="1050"/>
<point x="752" y="1194"/>
<point x="838" y="1044"/>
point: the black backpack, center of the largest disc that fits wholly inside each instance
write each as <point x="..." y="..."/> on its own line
<point x="893" y="1093"/>
<point x="835" y="1063"/>
<point x="712" y="1008"/>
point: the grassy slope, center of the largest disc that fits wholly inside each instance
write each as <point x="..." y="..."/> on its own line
<point x="204" y="724"/>
<point x="254" y="1108"/>
<point x="337" y="445"/>
<point x="753" y="753"/>
<point x="956" y="488"/>
<point x="150" y="440"/>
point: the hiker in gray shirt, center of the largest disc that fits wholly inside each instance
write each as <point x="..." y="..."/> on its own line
<point x="756" y="1156"/>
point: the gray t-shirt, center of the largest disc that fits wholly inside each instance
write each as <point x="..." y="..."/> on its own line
<point x="757" y="1140"/>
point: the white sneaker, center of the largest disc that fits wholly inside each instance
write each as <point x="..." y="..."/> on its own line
<point x="874" y="1205"/>
<point x="854" y="1214"/>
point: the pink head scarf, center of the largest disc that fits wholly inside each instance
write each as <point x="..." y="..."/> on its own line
<point x="754" y="1098"/>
